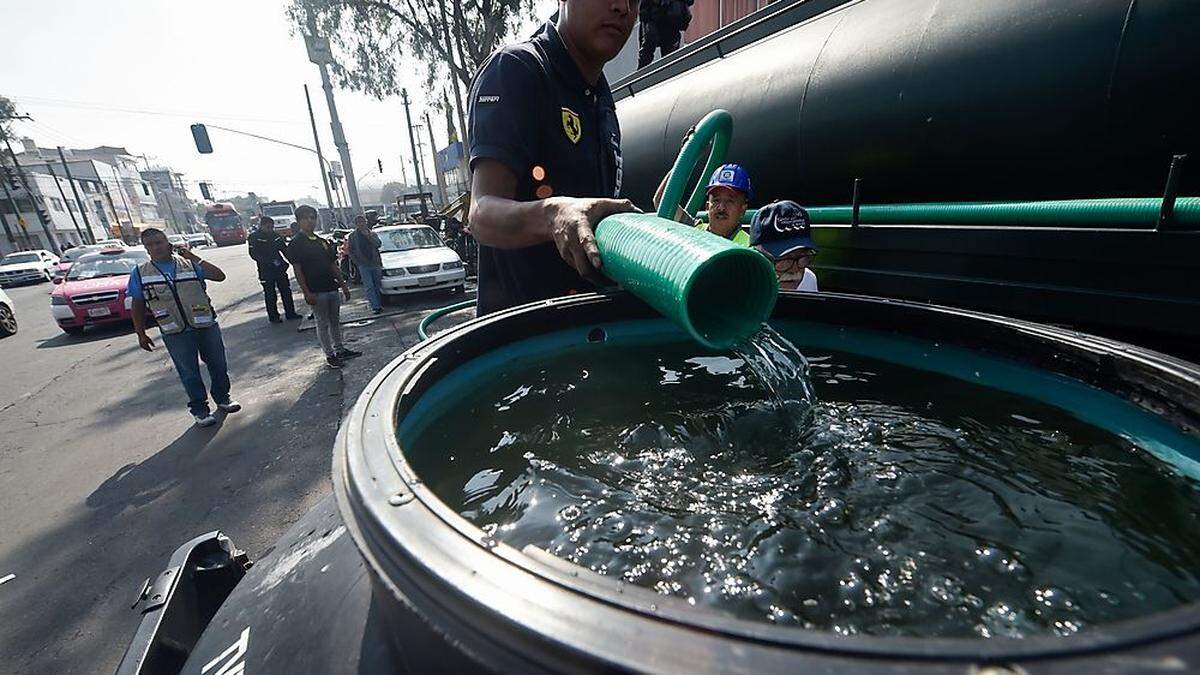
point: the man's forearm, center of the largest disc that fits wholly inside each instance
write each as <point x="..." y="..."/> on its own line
<point x="211" y="271"/>
<point x="300" y="279"/>
<point x="139" y="316"/>
<point x="506" y="223"/>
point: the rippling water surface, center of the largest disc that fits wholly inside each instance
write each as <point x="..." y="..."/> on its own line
<point x="893" y="502"/>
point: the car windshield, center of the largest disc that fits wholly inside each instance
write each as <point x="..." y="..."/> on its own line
<point x="223" y="221"/>
<point x="18" y="258"/>
<point x="74" y="254"/>
<point x="275" y="211"/>
<point x="106" y="265"/>
<point x="408" y="238"/>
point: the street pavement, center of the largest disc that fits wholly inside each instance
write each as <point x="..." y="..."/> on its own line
<point x="103" y="475"/>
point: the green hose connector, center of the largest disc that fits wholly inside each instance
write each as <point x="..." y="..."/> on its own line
<point x="438" y="313"/>
<point x="717" y="291"/>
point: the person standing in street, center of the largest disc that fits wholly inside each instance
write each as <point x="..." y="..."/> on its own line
<point x="546" y="155"/>
<point x="317" y="272"/>
<point x="266" y="248"/>
<point x="364" y="251"/>
<point x="172" y="287"/>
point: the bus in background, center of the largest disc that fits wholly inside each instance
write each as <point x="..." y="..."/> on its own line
<point x="283" y="213"/>
<point x="225" y="225"/>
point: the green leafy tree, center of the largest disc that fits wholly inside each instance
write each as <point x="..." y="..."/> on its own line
<point x="391" y="191"/>
<point x="449" y="40"/>
<point x="7" y="112"/>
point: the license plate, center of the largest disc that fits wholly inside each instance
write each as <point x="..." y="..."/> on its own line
<point x="427" y="281"/>
<point x="99" y="311"/>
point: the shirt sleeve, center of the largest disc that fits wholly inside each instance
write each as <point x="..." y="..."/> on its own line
<point x="502" y="113"/>
<point x="133" y="289"/>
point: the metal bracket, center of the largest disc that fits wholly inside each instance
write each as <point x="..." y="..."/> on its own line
<point x="855" y="202"/>
<point x="156" y="594"/>
<point x="1166" y="213"/>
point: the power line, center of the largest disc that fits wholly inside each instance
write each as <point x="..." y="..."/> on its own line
<point x="87" y="105"/>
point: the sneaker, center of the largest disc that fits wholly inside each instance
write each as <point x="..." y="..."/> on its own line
<point x="293" y="317"/>
<point x="274" y="319"/>
<point x="205" y="420"/>
<point x="230" y="407"/>
<point x="334" y="362"/>
<point x="344" y="353"/>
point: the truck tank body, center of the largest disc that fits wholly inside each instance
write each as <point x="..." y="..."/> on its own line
<point x="957" y="101"/>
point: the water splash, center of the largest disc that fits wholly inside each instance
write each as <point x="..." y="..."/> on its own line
<point x="783" y="373"/>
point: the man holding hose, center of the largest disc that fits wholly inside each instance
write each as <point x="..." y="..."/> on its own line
<point x="546" y="155"/>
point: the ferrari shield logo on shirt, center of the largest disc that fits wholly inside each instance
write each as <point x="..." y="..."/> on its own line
<point x="571" y="126"/>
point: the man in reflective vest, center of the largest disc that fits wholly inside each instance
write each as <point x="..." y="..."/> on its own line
<point x="728" y="195"/>
<point x="171" y="287"/>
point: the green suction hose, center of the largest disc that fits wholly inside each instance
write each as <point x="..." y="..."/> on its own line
<point x="716" y="127"/>
<point x="1114" y="212"/>
<point x="717" y="291"/>
<point x="423" y="327"/>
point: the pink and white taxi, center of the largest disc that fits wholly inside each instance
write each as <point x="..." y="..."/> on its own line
<point x="93" y="292"/>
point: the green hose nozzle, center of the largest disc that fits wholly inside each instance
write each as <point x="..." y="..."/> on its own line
<point x="717" y="291"/>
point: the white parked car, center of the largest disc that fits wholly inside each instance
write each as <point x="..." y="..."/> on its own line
<point x="415" y="259"/>
<point x="8" y="315"/>
<point x="199" y="239"/>
<point x="27" y="266"/>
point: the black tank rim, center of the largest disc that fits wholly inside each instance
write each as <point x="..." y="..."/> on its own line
<point x="451" y="572"/>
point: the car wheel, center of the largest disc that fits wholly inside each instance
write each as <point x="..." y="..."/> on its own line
<point x="72" y="330"/>
<point x="8" y="321"/>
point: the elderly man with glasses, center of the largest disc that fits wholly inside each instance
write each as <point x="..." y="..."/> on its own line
<point x="781" y="231"/>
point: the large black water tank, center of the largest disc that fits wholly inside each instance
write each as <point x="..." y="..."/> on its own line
<point x="935" y="100"/>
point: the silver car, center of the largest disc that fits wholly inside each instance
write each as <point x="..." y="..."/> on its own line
<point x="415" y="259"/>
<point x="8" y="315"/>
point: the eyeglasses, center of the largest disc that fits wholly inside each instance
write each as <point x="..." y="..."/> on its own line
<point x="785" y="264"/>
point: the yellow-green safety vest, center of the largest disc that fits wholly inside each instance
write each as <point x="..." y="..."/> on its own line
<point x="739" y="236"/>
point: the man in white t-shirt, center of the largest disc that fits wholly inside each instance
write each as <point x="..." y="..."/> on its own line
<point x="781" y="231"/>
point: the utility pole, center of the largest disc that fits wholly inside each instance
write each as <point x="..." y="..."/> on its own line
<point x="41" y="214"/>
<point x="319" y="53"/>
<point x="416" y="159"/>
<point x="462" y="123"/>
<point x="128" y="211"/>
<point x="75" y="191"/>
<point x="320" y="158"/>
<point x="17" y="212"/>
<point x="61" y="193"/>
<point x="12" y="241"/>
<point x="437" y="171"/>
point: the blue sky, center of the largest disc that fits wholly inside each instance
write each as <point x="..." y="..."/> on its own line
<point x="137" y="73"/>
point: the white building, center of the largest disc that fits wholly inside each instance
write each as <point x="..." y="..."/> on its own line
<point x="23" y="228"/>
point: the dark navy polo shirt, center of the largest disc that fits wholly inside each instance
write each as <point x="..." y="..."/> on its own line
<point x="531" y="110"/>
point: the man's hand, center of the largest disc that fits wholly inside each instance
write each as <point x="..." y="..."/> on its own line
<point x="310" y="298"/>
<point x="573" y="223"/>
<point x="188" y="255"/>
<point x="145" y="342"/>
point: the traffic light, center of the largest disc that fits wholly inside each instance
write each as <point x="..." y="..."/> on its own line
<point x="380" y="163"/>
<point x="200" y="135"/>
<point x="204" y="190"/>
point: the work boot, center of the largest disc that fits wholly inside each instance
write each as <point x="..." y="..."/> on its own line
<point x="334" y="362"/>
<point x="344" y="353"/>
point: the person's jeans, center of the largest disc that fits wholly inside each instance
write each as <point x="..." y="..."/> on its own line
<point x="285" y="293"/>
<point x="328" y="312"/>
<point x="206" y="344"/>
<point x="372" y="279"/>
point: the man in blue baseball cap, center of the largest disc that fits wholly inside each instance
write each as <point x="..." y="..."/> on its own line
<point x="728" y="194"/>
<point x="781" y="231"/>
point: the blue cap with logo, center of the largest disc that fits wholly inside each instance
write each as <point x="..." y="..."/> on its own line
<point x="730" y="176"/>
<point x="780" y="228"/>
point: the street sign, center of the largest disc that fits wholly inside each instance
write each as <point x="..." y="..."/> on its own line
<point x="318" y="50"/>
<point x="335" y="168"/>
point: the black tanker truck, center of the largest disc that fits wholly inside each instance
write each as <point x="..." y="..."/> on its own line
<point x="890" y="119"/>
